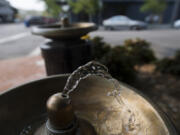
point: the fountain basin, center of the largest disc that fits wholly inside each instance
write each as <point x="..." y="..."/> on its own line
<point x="26" y="104"/>
<point x="56" y="31"/>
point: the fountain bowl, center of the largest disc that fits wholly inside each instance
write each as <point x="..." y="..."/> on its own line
<point x="26" y="104"/>
<point x="57" y="31"/>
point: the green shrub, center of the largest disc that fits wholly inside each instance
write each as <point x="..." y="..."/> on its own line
<point x="140" y="51"/>
<point x="169" y="65"/>
<point x="121" y="59"/>
<point x="119" y="64"/>
<point x="100" y="48"/>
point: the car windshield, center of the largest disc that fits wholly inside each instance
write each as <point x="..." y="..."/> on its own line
<point x="118" y="18"/>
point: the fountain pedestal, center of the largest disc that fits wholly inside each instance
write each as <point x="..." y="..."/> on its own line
<point x="64" y="56"/>
<point x="65" y="51"/>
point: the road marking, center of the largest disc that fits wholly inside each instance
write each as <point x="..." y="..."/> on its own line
<point x="35" y="52"/>
<point x="14" y="37"/>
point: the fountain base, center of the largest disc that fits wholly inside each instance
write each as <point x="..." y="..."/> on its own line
<point x="81" y="127"/>
<point x="64" y="56"/>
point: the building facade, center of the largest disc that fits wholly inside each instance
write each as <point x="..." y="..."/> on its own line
<point x="131" y="8"/>
<point x="7" y="13"/>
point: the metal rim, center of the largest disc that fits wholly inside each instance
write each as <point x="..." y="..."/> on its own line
<point x="164" y="117"/>
<point x="53" y="30"/>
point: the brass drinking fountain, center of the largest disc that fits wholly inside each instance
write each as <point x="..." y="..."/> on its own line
<point x="94" y="107"/>
<point x="62" y="120"/>
<point x="64" y="50"/>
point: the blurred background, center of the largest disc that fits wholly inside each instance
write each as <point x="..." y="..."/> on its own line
<point x="139" y="41"/>
<point x="16" y="16"/>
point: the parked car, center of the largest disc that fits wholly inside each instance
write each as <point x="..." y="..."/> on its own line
<point x="152" y="19"/>
<point x="38" y="20"/>
<point x="123" y="22"/>
<point x="177" y="24"/>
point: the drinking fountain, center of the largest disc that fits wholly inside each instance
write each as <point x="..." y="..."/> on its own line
<point x="64" y="50"/>
<point x="87" y="102"/>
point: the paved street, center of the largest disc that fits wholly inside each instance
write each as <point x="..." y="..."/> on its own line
<point x="164" y="42"/>
<point x="16" y="40"/>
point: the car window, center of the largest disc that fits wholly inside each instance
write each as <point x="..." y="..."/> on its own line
<point x="119" y="18"/>
<point x="115" y="18"/>
<point x="124" y="18"/>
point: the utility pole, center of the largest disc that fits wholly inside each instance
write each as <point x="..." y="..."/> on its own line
<point x="175" y="11"/>
<point x="100" y="12"/>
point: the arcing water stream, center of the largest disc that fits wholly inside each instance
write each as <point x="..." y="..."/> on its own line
<point x="129" y="123"/>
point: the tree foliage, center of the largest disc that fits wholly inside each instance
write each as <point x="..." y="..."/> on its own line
<point x="52" y="7"/>
<point x="154" y="6"/>
<point x="89" y="7"/>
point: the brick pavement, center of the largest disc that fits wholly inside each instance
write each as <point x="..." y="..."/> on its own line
<point x="14" y="72"/>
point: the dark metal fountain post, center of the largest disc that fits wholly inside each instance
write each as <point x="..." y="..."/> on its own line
<point x="65" y="56"/>
<point x="65" y="51"/>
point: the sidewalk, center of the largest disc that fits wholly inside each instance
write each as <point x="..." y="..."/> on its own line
<point x="14" y="72"/>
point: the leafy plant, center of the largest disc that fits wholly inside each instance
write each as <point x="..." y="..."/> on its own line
<point x="120" y="65"/>
<point x="122" y="59"/>
<point x="116" y="59"/>
<point x="100" y="48"/>
<point x="139" y="50"/>
<point x="169" y="65"/>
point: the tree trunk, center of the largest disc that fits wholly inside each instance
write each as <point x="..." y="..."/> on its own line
<point x="175" y="12"/>
<point x="160" y="21"/>
<point x="90" y="18"/>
